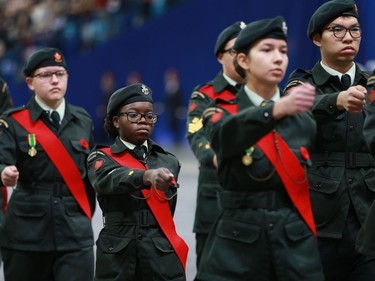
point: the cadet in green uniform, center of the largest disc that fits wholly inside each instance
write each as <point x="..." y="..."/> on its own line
<point x="342" y="177"/>
<point x="366" y="237"/>
<point x="135" y="180"/>
<point x="47" y="233"/>
<point x="265" y="231"/>
<point x="223" y="87"/>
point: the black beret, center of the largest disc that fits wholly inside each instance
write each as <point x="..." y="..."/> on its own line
<point x="228" y="34"/>
<point x="129" y="94"/>
<point x="328" y="12"/>
<point x="42" y="58"/>
<point x="265" y="28"/>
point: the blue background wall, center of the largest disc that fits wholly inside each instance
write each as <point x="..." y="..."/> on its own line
<point x="184" y="38"/>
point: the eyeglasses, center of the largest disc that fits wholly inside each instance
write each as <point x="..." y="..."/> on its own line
<point x="230" y="51"/>
<point x="46" y="76"/>
<point x="340" y="31"/>
<point x="134" y="117"/>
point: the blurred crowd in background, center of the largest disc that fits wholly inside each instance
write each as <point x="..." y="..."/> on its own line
<point x="73" y="26"/>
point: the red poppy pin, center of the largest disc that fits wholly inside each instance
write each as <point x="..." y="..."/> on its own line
<point x="304" y="153"/>
<point x="371" y="96"/>
<point x="57" y="56"/>
<point x="84" y="143"/>
<point x="98" y="164"/>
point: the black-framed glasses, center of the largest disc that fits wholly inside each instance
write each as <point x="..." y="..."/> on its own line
<point x="135" y="117"/>
<point x="230" y="51"/>
<point x="46" y="76"/>
<point x="340" y="31"/>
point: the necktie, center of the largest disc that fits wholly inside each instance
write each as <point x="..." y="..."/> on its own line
<point x="265" y="102"/>
<point x="140" y="152"/>
<point x="55" y="119"/>
<point x="345" y="81"/>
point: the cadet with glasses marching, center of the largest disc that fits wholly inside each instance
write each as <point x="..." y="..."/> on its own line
<point x="224" y="86"/>
<point x="47" y="233"/>
<point x="136" y="183"/>
<point x="342" y="177"/>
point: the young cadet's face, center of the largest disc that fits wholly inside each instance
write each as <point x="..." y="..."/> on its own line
<point x="50" y="89"/>
<point x="338" y="51"/>
<point x="135" y="133"/>
<point x="267" y="61"/>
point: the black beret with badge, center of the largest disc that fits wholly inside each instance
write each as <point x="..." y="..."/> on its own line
<point x="328" y="12"/>
<point x="133" y="93"/>
<point x="228" y="34"/>
<point x="42" y="58"/>
<point x="265" y="28"/>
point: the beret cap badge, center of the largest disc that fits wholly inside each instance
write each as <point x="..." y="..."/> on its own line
<point x="284" y="27"/>
<point x="58" y="57"/>
<point x="145" y="89"/>
<point x="242" y="25"/>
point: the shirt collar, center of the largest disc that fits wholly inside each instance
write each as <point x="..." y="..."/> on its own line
<point x="230" y="80"/>
<point x="257" y="99"/>
<point x="132" y="146"/>
<point x="331" y="71"/>
<point x="60" y="109"/>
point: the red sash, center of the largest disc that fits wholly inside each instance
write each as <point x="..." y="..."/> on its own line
<point x="59" y="157"/>
<point x="294" y="179"/>
<point x="158" y="206"/>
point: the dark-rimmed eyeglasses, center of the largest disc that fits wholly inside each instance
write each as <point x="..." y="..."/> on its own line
<point x="135" y="117"/>
<point x="340" y="31"/>
<point x="46" y="76"/>
<point x="230" y="51"/>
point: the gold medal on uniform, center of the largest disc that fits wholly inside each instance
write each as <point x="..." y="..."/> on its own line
<point x="32" y="143"/>
<point x="247" y="159"/>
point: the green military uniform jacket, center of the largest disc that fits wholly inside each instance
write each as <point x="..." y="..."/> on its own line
<point x="258" y="233"/>
<point x="42" y="214"/>
<point x="343" y="169"/>
<point x="366" y="236"/>
<point x="131" y="241"/>
<point x="208" y="185"/>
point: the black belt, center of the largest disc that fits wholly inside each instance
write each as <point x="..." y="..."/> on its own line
<point x="343" y="159"/>
<point x="143" y="218"/>
<point x="50" y="188"/>
<point x="262" y="199"/>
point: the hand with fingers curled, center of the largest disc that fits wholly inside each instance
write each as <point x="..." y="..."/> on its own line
<point x="299" y="99"/>
<point x="160" y="178"/>
<point x="9" y="176"/>
<point x="353" y="99"/>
